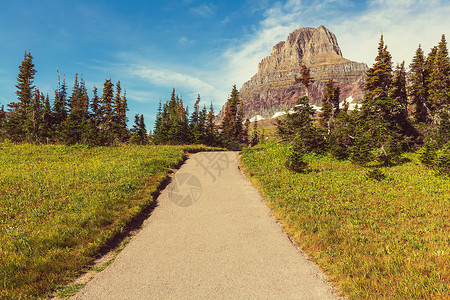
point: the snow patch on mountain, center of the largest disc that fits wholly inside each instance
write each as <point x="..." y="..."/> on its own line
<point x="256" y="118"/>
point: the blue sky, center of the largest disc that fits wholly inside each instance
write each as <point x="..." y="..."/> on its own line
<point x="197" y="47"/>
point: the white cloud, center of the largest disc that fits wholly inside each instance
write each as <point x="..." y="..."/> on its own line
<point x="242" y="60"/>
<point x="187" y="83"/>
<point x="168" y="78"/>
<point x="204" y="10"/>
<point x="141" y="96"/>
<point x="404" y="23"/>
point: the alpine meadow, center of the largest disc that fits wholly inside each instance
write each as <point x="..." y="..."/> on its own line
<point x="352" y="160"/>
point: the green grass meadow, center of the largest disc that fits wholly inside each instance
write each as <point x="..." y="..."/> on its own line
<point x="59" y="205"/>
<point x="387" y="239"/>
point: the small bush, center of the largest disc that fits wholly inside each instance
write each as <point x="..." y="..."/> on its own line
<point x="338" y="148"/>
<point x="443" y="160"/>
<point x="296" y="158"/>
<point x="435" y="158"/>
<point x="362" y="150"/>
<point x="375" y="174"/>
<point x="390" y="153"/>
<point x="428" y="155"/>
<point x="313" y="140"/>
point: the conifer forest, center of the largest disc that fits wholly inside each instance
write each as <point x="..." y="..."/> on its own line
<point x="401" y="111"/>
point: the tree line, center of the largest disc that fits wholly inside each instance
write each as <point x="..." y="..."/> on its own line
<point x="174" y="125"/>
<point x="396" y="115"/>
<point x="71" y="117"/>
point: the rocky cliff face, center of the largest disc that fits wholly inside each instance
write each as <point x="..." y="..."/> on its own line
<point x="273" y="88"/>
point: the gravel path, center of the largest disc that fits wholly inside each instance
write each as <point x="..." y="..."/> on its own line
<point x="210" y="237"/>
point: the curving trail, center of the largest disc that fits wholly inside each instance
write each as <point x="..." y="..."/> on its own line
<point x="210" y="237"/>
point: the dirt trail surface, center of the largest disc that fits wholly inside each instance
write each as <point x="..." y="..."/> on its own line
<point x="211" y="236"/>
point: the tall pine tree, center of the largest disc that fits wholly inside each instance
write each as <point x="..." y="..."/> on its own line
<point x="382" y="117"/>
<point x="19" y="111"/>
<point x="232" y="129"/>
<point x="211" y="129"/>
<point x="398" y="91"/>
<point x="439" y="86"/>
<point x="139" y="132"/>
<point x="418" y="86"/>
<point x="106" y="101"/>
<point x="327" y="106"/>
<point x="305" y="78"/>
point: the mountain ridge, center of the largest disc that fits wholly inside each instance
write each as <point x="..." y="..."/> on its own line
<point x="273" y="87"/>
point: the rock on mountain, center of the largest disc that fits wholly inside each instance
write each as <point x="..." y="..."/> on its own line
<point x="273" y="88"/>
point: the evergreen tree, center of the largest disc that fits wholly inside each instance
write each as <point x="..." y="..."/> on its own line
<point x="211" y="129"/>
<point x="342" y="137"/>
<point x="59" y="106"/>
<point x="95" y="105"/>
<point x="398" y="91"/>
<point x="245" y="131"/>
<point x="124" y="132"/>
<point x="362" y="150"/>
<point x="74" y="128"/>
<point x="74" y="102"/>
<point x="117" y="101"/>
<point x="296" y="158"/>
<point x="383" y="117"/>
<point x="298" y="125"/>
<point x="232" y="129"/>
<point x="164" y="127"/>
<point x="19" y="111"/>
<point x="47" y="121"/>
<point x="296" y="121"/>
<point x="241" y="131"/>
<point x="202" y="124"/>
<point x="172" y="122"/>
<point x="106" y="101"/>
<point x="124" y="109"/>
<point x="119" y="118"/>
<point x="335" y="101"/>
<point x="231" y="110"/>
<point x="105" y="110"/>
<point x="194" y="124"/>
<point x="33" y="118"/>
<point x="418" y="87"/>
<point x="255" y="134"/>
<point x="158" y="133"/>
<point x="327" y="106"/>
<point x="181" y="122"/>
<point x="305" y="78"/>
<point x="24" y="84"/>
<point x="139" y="132"/>
<point x="84" y="98"/>
<point x="142" y="128"/>
<point x="439" y="81"/>
<point x="379" y="77"/>
<point x="429" y="68"/>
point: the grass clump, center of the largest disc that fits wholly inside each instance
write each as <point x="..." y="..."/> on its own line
<point x="387" y="239"/>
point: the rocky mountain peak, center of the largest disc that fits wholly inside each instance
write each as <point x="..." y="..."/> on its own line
<point x="307" y="46"/>
<point x="273" y="87"/>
